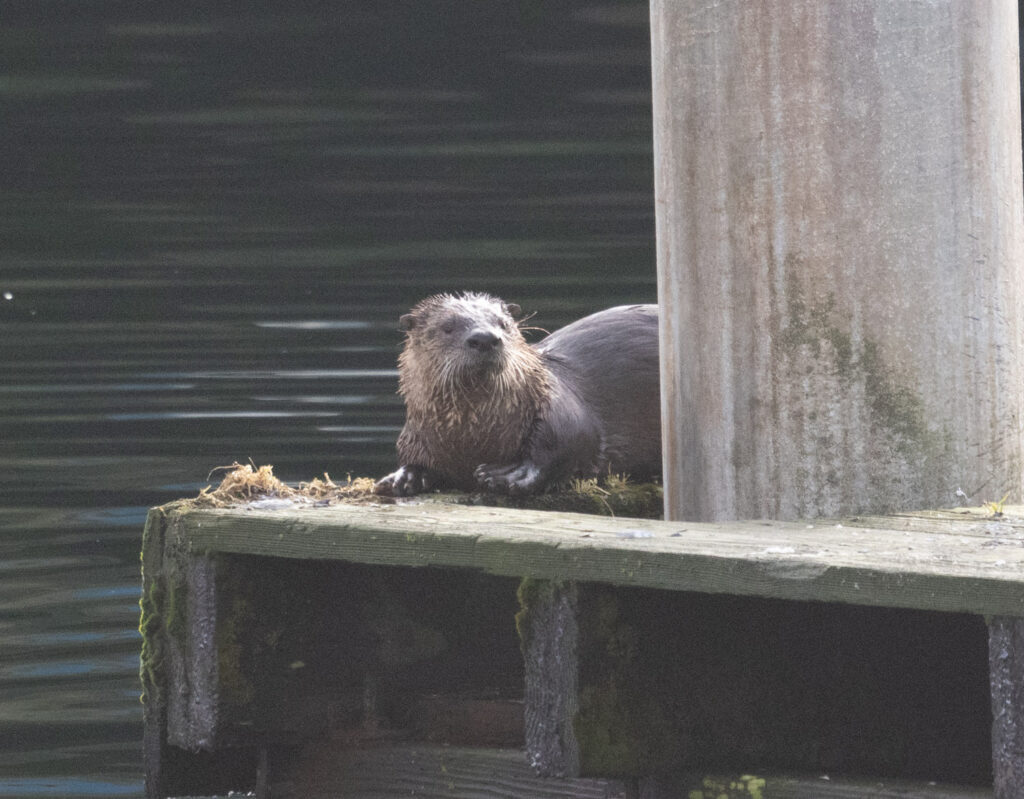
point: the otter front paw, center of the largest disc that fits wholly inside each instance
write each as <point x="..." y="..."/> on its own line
<point x="404" y="482"/>
<point x="512" y="478"/>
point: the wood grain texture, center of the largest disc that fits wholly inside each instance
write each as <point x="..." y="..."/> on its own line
<point x="193" y="682"/>
<point x="838" y="203"/>
<point x="151" y="674"/>
<point x="464" y="773"/>
<point x="435" y="773"/>
<point x="1006" y="659"/>
<point x="772" y="787"/>
<point x="933" y="563"/>
<point x="549" y="633"/>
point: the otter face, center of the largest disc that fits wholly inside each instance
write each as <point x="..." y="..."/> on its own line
<point x="468" y="334"/>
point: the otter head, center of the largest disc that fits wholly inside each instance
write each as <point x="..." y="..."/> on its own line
<point x="463" y="339"/>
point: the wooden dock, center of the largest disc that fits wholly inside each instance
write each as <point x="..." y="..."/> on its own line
<point x="436" y="649"/>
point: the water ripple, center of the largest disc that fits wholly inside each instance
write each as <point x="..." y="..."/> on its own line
<point x="69" y="787"/>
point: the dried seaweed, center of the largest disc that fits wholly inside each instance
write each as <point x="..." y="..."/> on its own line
<point x="246" y="483"/>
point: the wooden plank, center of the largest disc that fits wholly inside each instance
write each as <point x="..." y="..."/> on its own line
<point x="549" y="634"/>
<point x="430" y="772"/>
<point x="154" y="702"/>
<point x="1006" y="659"/>
<point x="974" y="572"/>
<point x="194" y="706"/>
<point x="165" y="659"/>
<point x="822" y="787"/>
<point x="477" y="773"/>
<point x="980" y="522"/>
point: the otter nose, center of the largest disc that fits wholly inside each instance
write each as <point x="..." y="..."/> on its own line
<point x="482" y="340"/>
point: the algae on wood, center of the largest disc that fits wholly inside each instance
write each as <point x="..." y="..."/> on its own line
<point x="653" y="679"/>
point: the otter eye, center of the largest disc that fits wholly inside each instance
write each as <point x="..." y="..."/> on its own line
<point x="448" y="327"/>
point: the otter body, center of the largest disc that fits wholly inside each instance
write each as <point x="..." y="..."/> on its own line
<point x="485" y="409"/>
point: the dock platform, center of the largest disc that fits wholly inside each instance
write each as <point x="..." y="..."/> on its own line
<point x="436" y="649"/>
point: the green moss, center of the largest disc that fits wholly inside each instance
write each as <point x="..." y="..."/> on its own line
<point x="175" y="611"/>
<point x="812" y="325"/>
<point x="525" y="594"/>
<point x="893" y="406"/>
<point x="153" y="610"/>
<point x="163" y="613"/>
<point x="235" y="686"/>
<point x="531" y="592"/>
<point x="896" y="412"/>
<point x="745" y="787"/>
<point x="622" y="728"/>
<point x="613" y="496"/>
<point x="603" y="728"/>
<point x="236" y="625"/>
<point x="151" y="657"/>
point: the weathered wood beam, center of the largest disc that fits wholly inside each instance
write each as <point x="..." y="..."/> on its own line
<point x="548" y="629"/>
<point x="169" y="667"/>
<point x="839" y="221"/>
<point x="976" y="571"/>
<point x="631" y="682"/>
<point x="629" y="672"/>
<point x="745" y="786"/>
<point x="1006" y="659"/>
<point x="328" y="770"/>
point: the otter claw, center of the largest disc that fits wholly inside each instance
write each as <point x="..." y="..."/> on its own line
<point x="513" y="479"/>
<point x="404" y="482"/>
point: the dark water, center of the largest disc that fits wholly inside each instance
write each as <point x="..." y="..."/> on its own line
<point x="210" y="219"/>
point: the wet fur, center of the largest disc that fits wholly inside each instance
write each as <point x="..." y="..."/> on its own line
<point x="583" y="401"/>
<point x="461" y="413"/>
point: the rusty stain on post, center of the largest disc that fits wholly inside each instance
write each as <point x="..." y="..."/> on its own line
<point x="839" y="216"/>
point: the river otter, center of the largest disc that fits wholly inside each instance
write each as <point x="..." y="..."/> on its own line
<point x="484" y="409"/>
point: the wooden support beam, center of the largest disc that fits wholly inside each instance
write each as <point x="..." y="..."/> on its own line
<point x="647" y="649"/>
<point x="928" y="562"/>
<point x="1006" y="658"/>
<point x="633" y="682"/>
<point x="548" y="630"/>
<point x="169" y="668"/>
<point x="839" y="219"/>
<point x="327" y="771"/>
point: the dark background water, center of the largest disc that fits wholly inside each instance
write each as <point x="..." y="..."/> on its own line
<point x="211" y="217"/>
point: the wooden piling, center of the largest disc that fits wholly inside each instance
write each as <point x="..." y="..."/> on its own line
<point x="839" y="208"/>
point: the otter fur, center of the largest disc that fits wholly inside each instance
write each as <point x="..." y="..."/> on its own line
<point x="485" y="409"/>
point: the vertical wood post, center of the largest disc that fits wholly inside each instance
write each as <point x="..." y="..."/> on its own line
<point x="1006" y="665"/>
<point x="550" y="637"/>
<point x="839" y="217"/>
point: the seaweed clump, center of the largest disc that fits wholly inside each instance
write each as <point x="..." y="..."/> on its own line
<point x="245" y="483"/>
<point x="612" y="495"/>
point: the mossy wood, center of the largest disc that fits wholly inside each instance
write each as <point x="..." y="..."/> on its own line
<point x="841" y="325"/>
<point x="649" y="647"/>
<point x="246" y="652"/>
<point x="949" y="561"/>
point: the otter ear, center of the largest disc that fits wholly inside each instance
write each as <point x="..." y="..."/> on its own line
<point x="406" y="322"/>
<point x="513" y="309"/>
